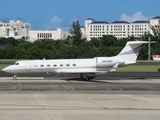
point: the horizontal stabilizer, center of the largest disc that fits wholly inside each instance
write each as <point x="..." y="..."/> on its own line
<point x="114" y="67"/>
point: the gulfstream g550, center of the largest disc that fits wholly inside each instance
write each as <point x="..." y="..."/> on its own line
<point x="97" y="65"/>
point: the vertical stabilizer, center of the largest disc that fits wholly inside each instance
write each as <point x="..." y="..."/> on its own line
<point x="130" y="52"/>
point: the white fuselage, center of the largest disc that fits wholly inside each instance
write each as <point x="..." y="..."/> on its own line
<point x="95" y="65"/>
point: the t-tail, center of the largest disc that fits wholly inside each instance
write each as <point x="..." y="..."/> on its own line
<point x="130" y="52"/>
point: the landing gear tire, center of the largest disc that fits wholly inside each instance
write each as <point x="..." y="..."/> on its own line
<point x="15" y="77"/>
<point x="84" y="76"/>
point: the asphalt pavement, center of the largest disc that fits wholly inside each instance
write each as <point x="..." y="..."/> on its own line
<point x="57" y="98"/>
<point x="110" y="75"/>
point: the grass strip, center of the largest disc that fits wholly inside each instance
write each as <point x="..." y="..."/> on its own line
<point x="3" y="66"/>
<point x="139" y="68"/>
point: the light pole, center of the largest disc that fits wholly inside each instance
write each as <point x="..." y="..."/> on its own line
<point x="149" y="49"/>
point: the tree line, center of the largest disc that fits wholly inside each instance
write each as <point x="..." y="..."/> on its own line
<point x="63" y="49"/>
<point x="72" y="47"/>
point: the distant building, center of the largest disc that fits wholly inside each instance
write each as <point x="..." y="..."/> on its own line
<point x="92" y="29"/>
<point x="119" y="29"/>
<point x="45" y="34"/>
<point x="154" y="21"/>
<point x="15" y="28"/>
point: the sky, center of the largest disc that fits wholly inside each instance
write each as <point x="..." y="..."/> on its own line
<point x="53" y="14"/>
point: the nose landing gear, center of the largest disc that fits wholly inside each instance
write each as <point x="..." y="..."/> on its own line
<point x="15" y="77"/>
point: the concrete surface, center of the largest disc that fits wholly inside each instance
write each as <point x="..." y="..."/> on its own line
<point x="79" y="104"/>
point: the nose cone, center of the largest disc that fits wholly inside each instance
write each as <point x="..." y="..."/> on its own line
<point x="6" y="69"/>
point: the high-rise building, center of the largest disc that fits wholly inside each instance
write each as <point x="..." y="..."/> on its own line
<point x="15" y="28"/>
<point x="119" y="29"/>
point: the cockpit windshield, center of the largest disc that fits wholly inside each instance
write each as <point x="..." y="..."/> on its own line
<point x="16" y="63"/>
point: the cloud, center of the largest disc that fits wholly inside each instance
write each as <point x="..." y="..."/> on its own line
<point x="134" y="17"/>
<point x="54" y="23"/>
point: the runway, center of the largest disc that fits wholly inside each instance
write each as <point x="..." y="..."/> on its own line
<point x="110" y="75"/>
<point x="50" y="84"/>
<point x="69" y="98"/>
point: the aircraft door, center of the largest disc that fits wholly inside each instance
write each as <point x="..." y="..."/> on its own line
<point x="27" y="66"/>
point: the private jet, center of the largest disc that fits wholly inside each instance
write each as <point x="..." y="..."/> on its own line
<point x="84" y="67"/>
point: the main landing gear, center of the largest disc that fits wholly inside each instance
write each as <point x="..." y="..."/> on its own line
<point x="84" y="76"/>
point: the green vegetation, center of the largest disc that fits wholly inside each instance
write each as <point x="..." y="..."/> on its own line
<point x="63" y="49"/>
<point x="3" y="66"/>
<point x="8" y="60"/>
<point x="139" y="68"/>
<point x="76" y="34"/>
<point x="148" y="60"/>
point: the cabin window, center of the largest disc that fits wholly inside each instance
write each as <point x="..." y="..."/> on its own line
<point x="74" y="64"/>
<point x="48" y="65"/>
<point x="42" y="65"/>
<point x="61" y="65"/>
<point x="67" y="64"/>
<point x="54" y="65"/>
